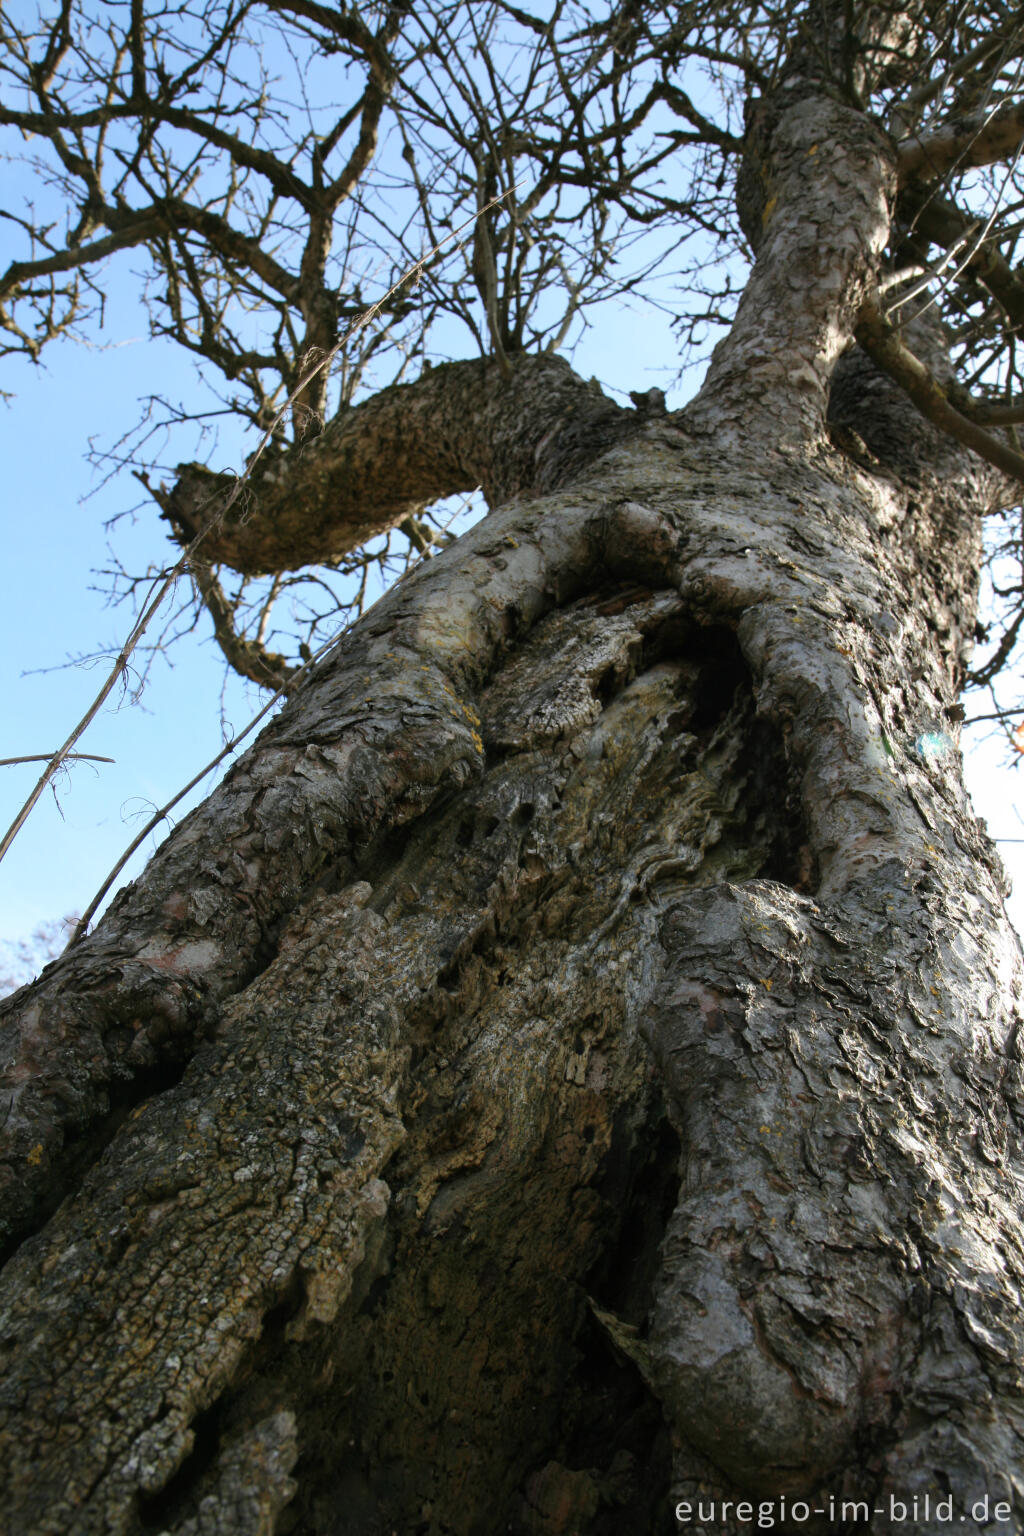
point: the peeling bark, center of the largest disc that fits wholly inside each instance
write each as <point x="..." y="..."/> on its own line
<point x="572" y="1064"/>
<point x="819" y="218"/>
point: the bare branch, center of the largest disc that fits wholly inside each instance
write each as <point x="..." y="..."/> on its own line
<point x="460" y="425"/>
<point x="246" y="657"/>
<point x="883" y="344"/>
<point x="940" y="221"/>
<point x="978" y="140"/>
<point x="133" y="231"/>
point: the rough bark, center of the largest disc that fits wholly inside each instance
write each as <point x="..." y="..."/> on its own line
<point x="572" y="1063"/>
<point x="512" y="429"/>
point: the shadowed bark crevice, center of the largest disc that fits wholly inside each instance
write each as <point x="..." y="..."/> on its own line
<point x="601" y="642"/>
<point x="777" y="813"/>
<point x="122" y="1097"/>
<point x="178" y="1499"/>
<point x="582" y="1421"/>
<point x="609" y="1471"/>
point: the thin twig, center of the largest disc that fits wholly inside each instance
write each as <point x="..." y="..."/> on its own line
<point x="47" y="757"/>
<point x="138" y="630"/>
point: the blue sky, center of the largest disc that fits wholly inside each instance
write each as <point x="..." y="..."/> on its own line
<point x="54" y="608"/>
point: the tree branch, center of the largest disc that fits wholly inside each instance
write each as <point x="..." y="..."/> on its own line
<point x="132" y="232"/>
<point x="976" y="140"/>
<point x="707" y="131"/>
<point x="931" y="86"/>
<point x="989" y="414"/>
<point x="459" y="426"/>
<point x="247" y="657"/>
<point x="884" y="345"/>
<point x="229" y="242"/>
<point x="941" y="222"/>
<point x="130" y="228"/>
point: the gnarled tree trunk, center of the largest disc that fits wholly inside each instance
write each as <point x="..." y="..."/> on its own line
<point x="569" y="1067"/>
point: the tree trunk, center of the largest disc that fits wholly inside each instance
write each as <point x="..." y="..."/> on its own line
<point x="570" y="1066"/>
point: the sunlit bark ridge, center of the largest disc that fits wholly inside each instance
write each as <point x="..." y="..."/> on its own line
<point x="572" y="1059"/>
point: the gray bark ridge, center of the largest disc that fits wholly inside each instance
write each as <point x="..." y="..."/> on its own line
<point x="622" y="849"/>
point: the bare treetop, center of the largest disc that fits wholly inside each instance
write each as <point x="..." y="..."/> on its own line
<point x="284" y="163"/>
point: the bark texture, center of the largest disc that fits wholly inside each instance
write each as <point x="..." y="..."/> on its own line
<point x="515" y="429"/>
<point x="572" y="1063"/>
